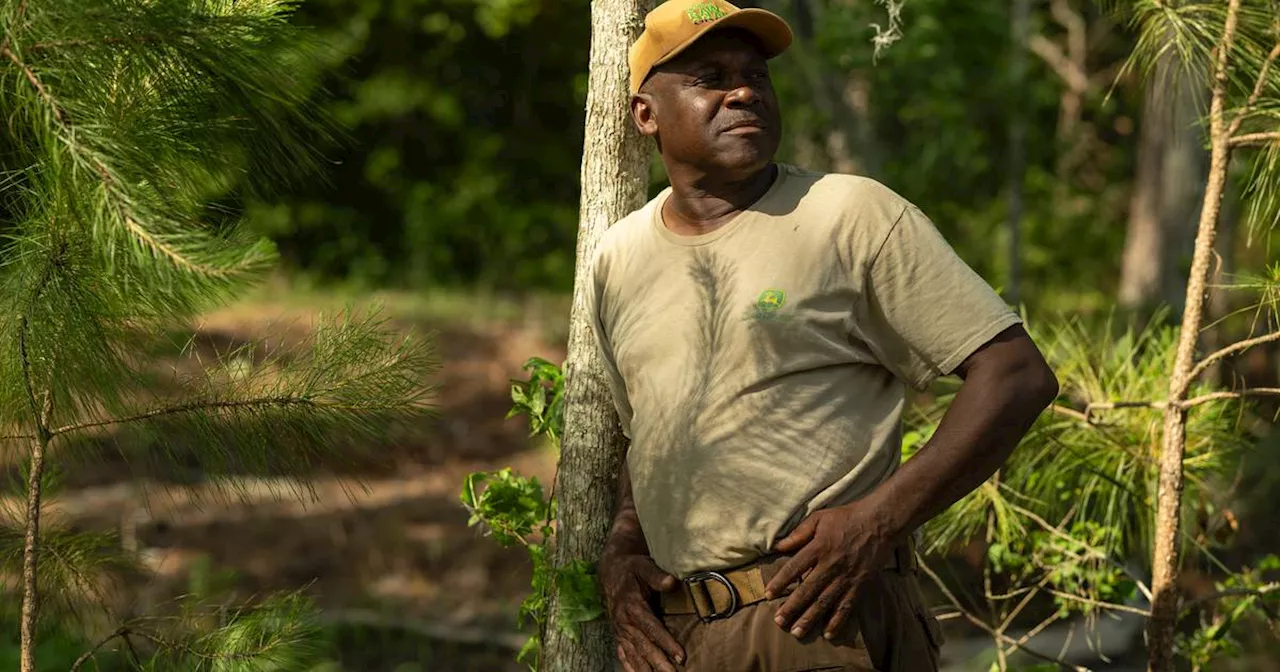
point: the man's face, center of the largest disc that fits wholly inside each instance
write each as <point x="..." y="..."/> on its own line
<point x="713" y="106"/>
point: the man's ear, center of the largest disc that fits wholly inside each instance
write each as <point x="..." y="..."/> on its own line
<point x="644" y="114"/>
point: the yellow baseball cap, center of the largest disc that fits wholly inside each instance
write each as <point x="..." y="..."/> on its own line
<point x="675" y="24"/>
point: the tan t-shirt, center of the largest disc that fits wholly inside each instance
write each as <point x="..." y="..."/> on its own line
<point x="760" y="369"/>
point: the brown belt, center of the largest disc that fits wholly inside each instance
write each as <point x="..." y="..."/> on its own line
<point x="716" y="595"/>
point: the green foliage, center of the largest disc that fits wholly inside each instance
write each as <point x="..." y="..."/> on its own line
<point x="512" y="509"/>
<point x="1246" y="603"/>
<point x="135" y="130"/>
<point x="1102" y="472"/>
<point x="541" y="398"/>
<point x="279" y="634"/>
<point x="465" y="135"/>
<point x="1068" y="562"/>
<point x="511" y="506"/>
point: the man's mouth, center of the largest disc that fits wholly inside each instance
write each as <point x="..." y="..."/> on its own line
<point x="745" y="126"/>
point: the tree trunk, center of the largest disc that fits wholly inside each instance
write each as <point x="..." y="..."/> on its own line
<point x="31" y="557"/>
<point x="1017" y="149"/>
<point x="1167" y="190"/>
<point x="614" y="183"/>
<point x="1182" y="185"/>
<point x="1144" y="240"/>
<point x="1164" y="608"/>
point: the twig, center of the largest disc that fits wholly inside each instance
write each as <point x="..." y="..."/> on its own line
<point x="1097" y="603"/>
<point x="987" y="627"/>
<point x="57" y="44"/>
<point x="1213" y="396"/>
<point x="1095" y="552"/>
<point x="1234" y="592"/>
<point x="1254" y="139"/>
<point x="1212" y="357"/>
<point x="1039" y="628"/>
<point x="188" y="408"/>
<point x="35" y="81"/>
<point x="1187" y="403"/>
<point x="1114" y="405"/>
<point x="121" y="632"/>
<point x="1023" y="604"/>
<point x="1054" y="57"/>
<point x="1257" y="92"/>
<point x="1070" y="413"/>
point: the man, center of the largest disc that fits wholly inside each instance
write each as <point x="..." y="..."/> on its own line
<point x="759" y="324"/>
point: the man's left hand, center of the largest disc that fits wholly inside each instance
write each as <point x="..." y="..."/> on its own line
<point x="835" y="551"/>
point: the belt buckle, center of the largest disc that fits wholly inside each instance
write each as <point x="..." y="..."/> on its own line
<point x="734" y="599"/>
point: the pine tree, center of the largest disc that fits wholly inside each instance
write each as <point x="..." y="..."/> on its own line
<point x="131" y="130"/>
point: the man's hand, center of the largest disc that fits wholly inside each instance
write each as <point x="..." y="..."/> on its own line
<point x="835" y="551"/>
<point x="644" y="644"/>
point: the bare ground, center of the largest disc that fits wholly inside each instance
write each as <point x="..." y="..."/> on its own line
<point x="381" y="544"/>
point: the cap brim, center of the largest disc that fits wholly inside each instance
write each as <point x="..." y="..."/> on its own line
<point x="774" y="33"/>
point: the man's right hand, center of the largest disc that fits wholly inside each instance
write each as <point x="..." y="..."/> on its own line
<point x="644" y="644"/>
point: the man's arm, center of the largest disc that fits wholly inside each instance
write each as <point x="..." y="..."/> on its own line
<point x="628" y="578"/>
<point x="1006" y="386"/>
<point x="625" y="536"/>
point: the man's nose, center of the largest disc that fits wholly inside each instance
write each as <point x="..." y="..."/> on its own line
<point x="742" y="94"/>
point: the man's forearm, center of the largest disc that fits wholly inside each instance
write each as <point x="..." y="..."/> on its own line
<point x="625" y="537"/>
<point x="990" y="414"/>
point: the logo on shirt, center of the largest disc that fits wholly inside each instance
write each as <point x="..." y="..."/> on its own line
<point x="769" y="303"/>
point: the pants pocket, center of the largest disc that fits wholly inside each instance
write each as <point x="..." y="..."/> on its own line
<point x="932" y="629"/>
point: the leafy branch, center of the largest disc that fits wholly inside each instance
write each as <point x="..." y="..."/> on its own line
<point x="512" y="510"/>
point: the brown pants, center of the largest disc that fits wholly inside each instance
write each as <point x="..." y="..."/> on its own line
<point x="893" y="631"/>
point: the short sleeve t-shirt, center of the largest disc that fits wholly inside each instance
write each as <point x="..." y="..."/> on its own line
<point x="760" y="370"/>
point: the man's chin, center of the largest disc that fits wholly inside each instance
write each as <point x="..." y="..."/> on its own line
<point x="743" y="164"/>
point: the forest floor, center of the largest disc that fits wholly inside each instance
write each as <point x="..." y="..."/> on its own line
<point x="383" y="546"/>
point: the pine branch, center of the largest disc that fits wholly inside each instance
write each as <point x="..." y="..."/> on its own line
<point x="1257" y="93"/>
<point x="1098" y="603"/>
<point x="986" y="627"/>
<point x="1231" y="349"/>
<point x="30" y="548"/>
<point x="1187" y="403"/>
<point x="107" y="41"/>
<point x="1260" y="591"/>
<point x="122" y="632"/>
<point x="1254" y="139"/>
<point x="35" y="82"/>
<point x="111" y="186"/>
<point x="196" y="407"/>
<point x="1214" y="396"/>
<point x="1096" y="553"/>
<point x="1071" y="413"/>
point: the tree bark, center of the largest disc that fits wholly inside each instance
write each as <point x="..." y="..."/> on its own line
<point x="614" y="183"/>
<point x="1164" y="608"/>
<point x="31" y="558"/>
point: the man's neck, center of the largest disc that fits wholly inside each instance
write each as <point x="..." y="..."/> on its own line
<point x="700" y="203"/>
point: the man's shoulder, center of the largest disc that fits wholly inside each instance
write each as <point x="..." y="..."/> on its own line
<point x="843" y="190"/>
<point x="625" y="233"/>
